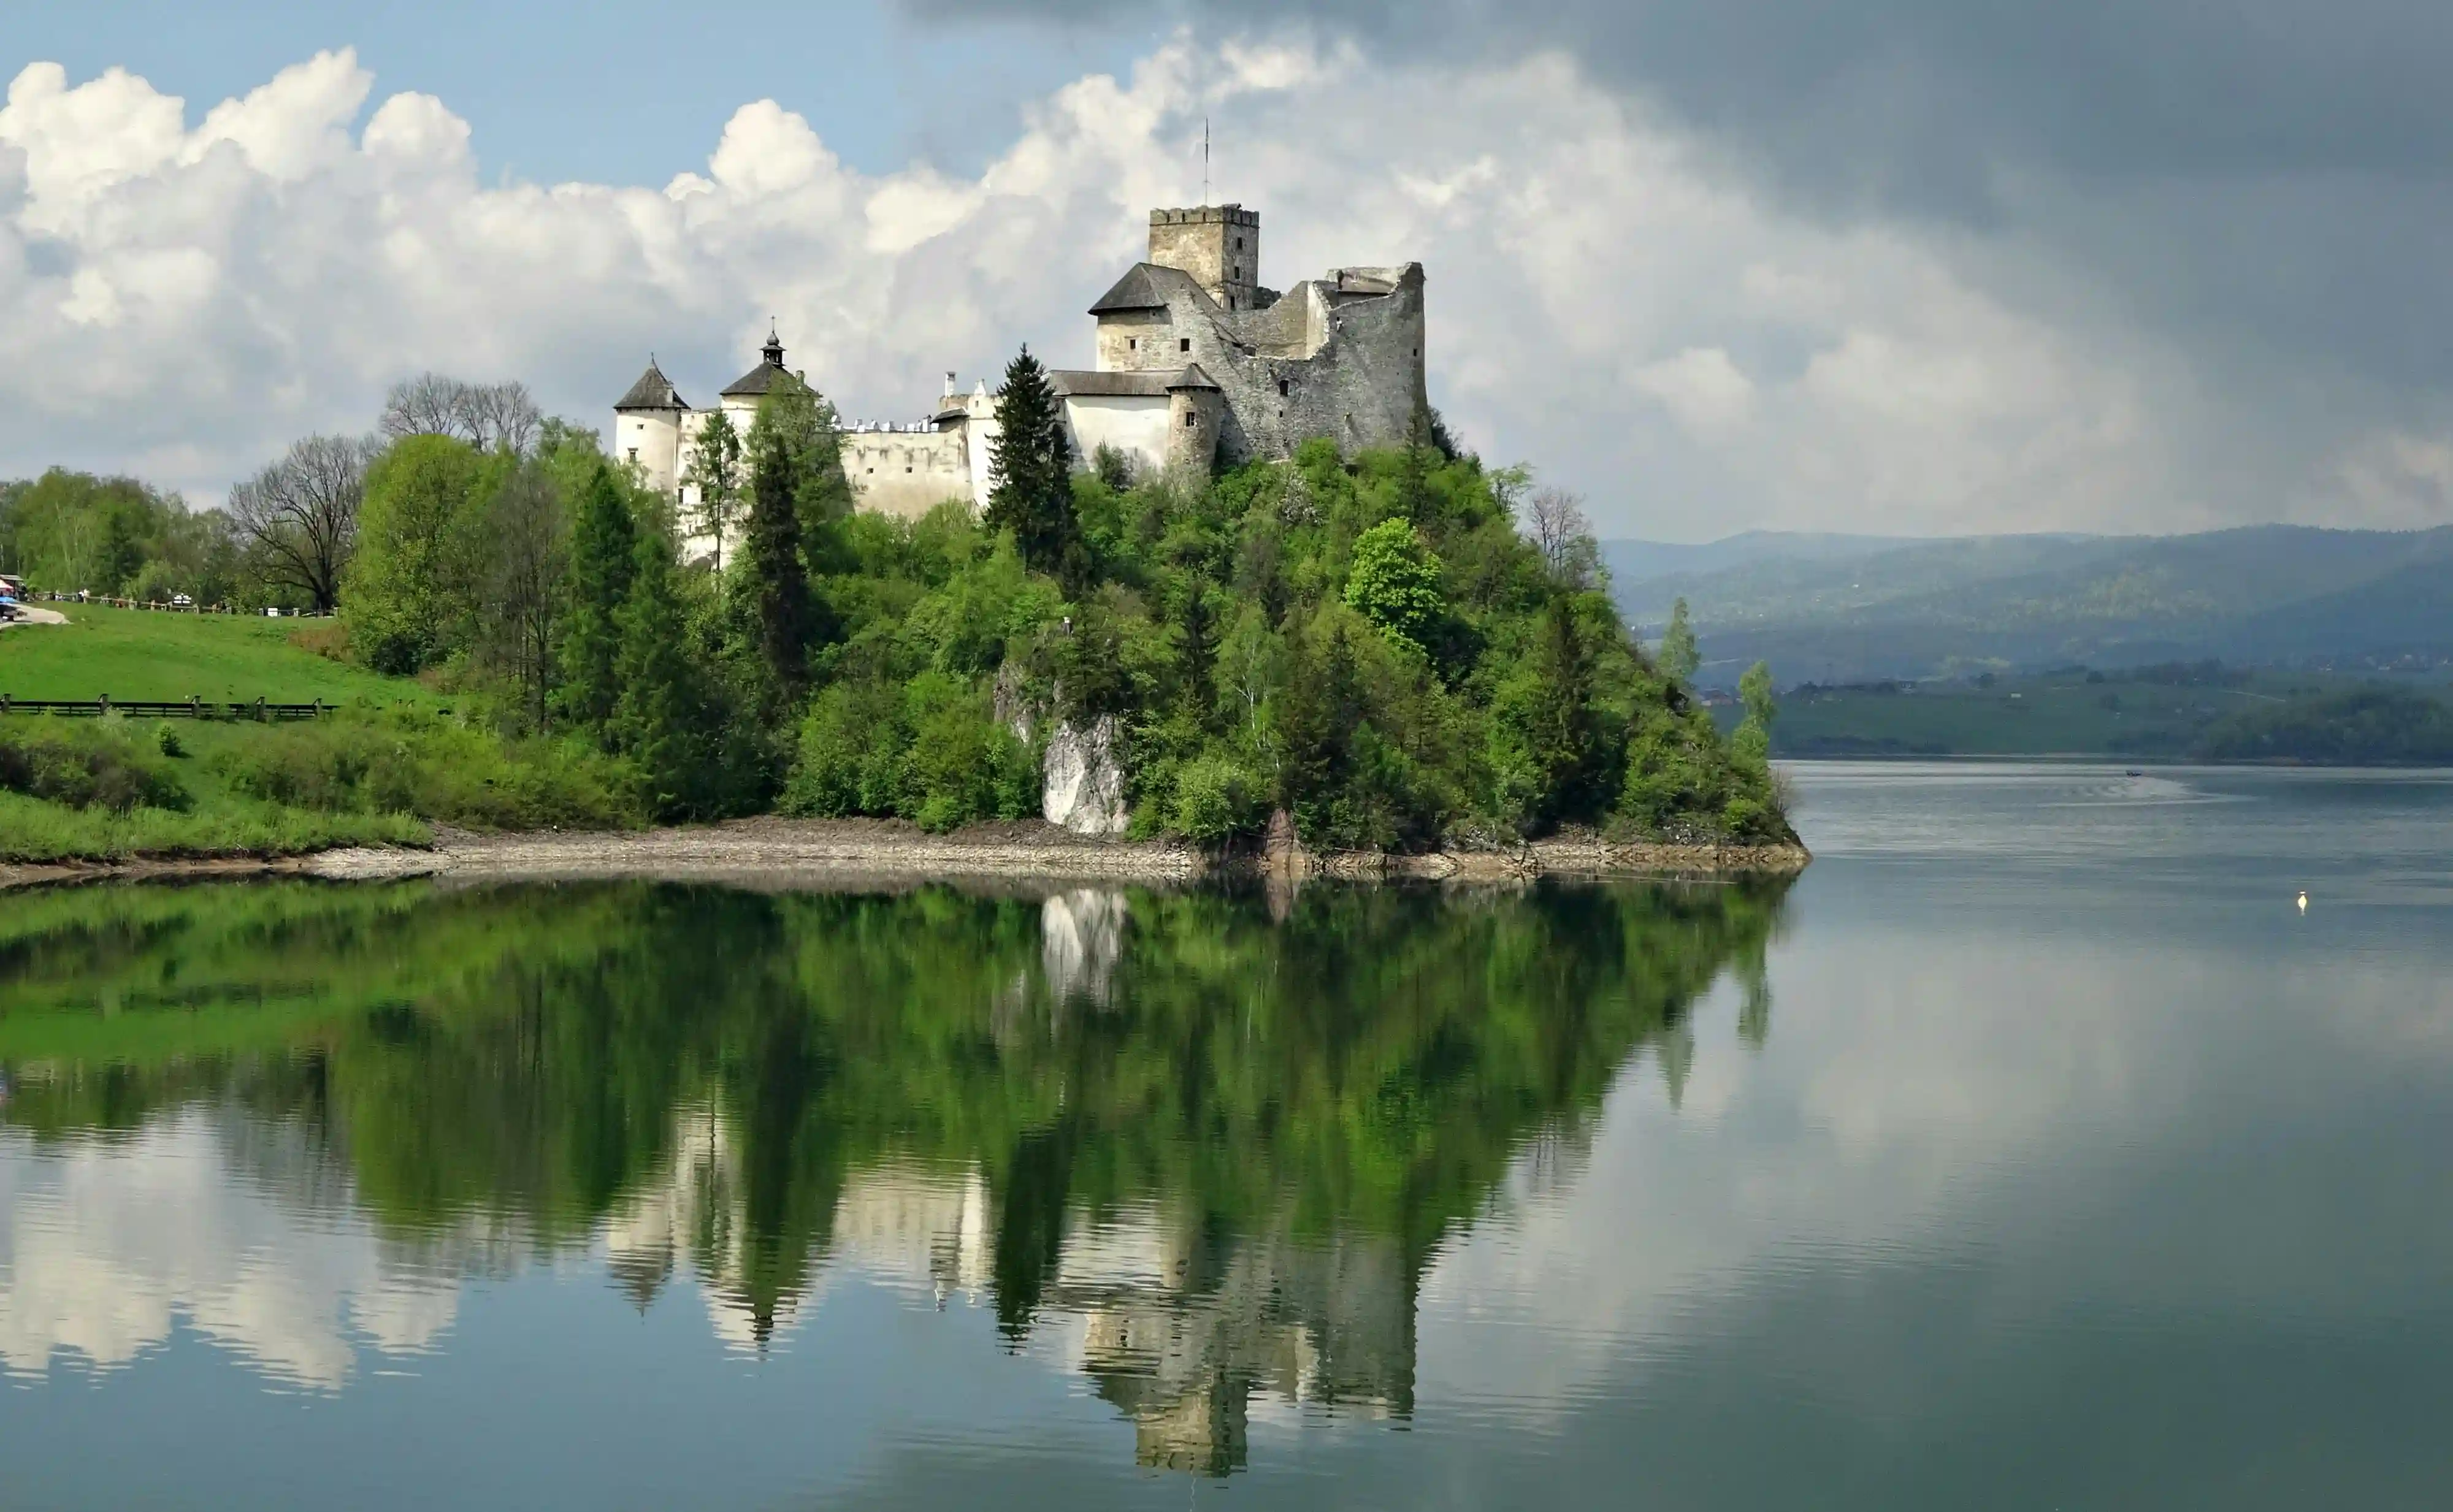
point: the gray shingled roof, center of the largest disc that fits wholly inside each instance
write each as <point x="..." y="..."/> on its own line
<point x="760" y="381"/>
<point x="1135" y="291"/>
<point x="1192" y="377"/>
<point x="1077" y="384"/>
<point x="652" y="391"/>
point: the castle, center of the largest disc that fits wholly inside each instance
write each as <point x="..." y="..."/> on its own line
<point x="1196" y="366"/>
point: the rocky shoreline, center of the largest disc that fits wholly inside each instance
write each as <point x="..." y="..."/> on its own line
<point x="772" y="851"/>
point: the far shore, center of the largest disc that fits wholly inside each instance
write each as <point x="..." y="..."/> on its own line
<point x="776" y="852"/>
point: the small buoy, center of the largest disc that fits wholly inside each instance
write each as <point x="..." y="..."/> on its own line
<point x="2303" y="900"/>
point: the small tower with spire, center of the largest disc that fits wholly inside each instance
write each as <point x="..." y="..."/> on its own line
<point x="648" y="429"/>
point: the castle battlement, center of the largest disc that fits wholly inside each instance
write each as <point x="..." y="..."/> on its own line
<point x="1207" y="215"/>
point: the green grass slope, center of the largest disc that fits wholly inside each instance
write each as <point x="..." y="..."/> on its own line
<point x="141" y="655"/>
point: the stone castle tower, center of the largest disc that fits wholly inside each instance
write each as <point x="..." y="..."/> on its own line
<point x="1219" y="244"/>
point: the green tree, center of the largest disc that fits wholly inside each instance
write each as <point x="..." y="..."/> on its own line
<point x="1030" y="472"/>
<point x="780" y="605"/>
<point x="656" y="717"/>
<point x="1568" y="739"/>
<point x="406" y="597"/>
<point x="523" y="571"/>
<point x="1394" y="581"/>
<point x="1751" y="740"/>
<point x="715" y="472"/>
<point x="603" y="556"/>
<point x="1679" y="657"/>
<point x="123" y="549"/>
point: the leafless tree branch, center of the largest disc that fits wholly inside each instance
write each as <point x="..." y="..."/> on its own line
<point x="299" y="517"/>
<point x="488" y="416"/>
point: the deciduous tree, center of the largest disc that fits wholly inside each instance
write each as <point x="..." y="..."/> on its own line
<point x="491" y="417"/>
<point x="406" y="593"/>
<point x="715" y="472"/>
<point x="298" y="518"/>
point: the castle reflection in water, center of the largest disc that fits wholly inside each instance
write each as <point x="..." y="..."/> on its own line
<point x="1180" y="1329"/>
<point x="1200" y="1149"/>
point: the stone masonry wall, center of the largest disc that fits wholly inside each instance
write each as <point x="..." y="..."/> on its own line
<point x="1361" y="387"/>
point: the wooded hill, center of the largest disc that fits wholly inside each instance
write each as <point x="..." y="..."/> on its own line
<point x="1845" y="610"/>
<point x="1371" y="644"/>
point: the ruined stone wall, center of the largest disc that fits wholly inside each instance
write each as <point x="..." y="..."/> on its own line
<point x="1360" y="384"/>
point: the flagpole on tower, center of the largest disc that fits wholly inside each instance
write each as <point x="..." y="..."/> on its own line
<point x="1205" y="160"/>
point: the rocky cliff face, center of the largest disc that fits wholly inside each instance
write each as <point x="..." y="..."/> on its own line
<point x="1083" y="785"/>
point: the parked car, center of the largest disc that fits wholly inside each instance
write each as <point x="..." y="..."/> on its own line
<point x="180" y="601"/>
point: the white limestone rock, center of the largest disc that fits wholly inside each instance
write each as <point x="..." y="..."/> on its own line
<point x="1084" y="785"/>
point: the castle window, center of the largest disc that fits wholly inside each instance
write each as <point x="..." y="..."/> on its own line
<point x="1282" y="388"/>
<point x="1184" y="344"/>
<point x="1190" y="421"/>
<point x="635" y="453"/>
<point x="1132" y="343"/>
<point x="1239" y="244"/>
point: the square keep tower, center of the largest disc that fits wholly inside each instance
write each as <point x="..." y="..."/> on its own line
<point x="1219" y="244"/>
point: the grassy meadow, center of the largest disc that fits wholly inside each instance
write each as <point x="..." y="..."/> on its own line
<point x="393" y="760"/>
<point x="145" y="655"/>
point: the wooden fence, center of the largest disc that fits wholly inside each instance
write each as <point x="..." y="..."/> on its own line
<point x="52" y="596"/>
<point x="189" y="709"/>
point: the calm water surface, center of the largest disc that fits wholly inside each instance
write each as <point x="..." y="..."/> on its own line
<point x="2034" y="1150"/>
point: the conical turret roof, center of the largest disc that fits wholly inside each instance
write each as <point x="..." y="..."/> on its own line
<point x="652" y="391"/>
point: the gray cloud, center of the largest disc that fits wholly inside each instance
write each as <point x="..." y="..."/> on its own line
<point x="2271" y="182"/>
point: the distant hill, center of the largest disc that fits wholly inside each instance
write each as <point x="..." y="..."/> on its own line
<point x="1842" y="609"/>
<point x="1642" y="561"/>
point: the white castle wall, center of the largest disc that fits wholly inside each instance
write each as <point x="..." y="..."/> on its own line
<point x="1135" y="425"/>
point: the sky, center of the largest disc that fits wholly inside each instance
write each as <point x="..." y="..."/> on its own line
<point x="1910" y="266"/>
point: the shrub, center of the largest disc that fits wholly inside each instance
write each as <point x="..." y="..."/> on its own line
<point x="97" y="765"/>
<point x="928" y="752"/>
<point x="1216" y="799"/>
<point x="167" y="740"/>
<point x="414" y="763"/>
<point x="849" y="746"/>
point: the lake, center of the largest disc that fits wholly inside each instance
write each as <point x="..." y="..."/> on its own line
<point x="2035" y="1149"/>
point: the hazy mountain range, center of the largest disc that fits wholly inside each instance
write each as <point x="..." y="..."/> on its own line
<point x="1850" y="609"/>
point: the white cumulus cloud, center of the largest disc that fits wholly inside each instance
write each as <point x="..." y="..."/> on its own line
<point x="181" y="294"/>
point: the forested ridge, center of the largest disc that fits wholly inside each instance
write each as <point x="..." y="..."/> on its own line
<point x="1400" y="649"/>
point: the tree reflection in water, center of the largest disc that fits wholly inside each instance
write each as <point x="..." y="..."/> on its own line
<point x="1224" y="1134"/>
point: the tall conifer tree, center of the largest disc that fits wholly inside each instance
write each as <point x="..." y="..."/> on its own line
<point x="777" y="578"/>
<point x="1030" y="470"/>
<point x="604" y="553"/>
<point x="655" y="719"/>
